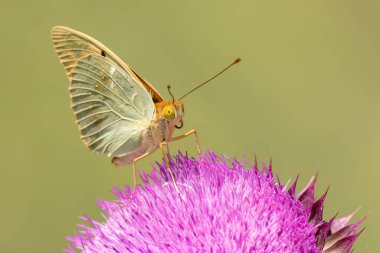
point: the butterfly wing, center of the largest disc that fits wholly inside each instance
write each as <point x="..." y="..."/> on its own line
<point x="112" y="107"/>
<point x="72" y="45"/>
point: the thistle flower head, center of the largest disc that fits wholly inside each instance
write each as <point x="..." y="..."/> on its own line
<point x="222" y="207"/>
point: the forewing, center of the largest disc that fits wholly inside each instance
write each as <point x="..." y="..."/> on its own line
<point x="112" y="110"/>
<point x="71" y="46"/>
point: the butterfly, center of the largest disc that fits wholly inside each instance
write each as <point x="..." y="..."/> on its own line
<point x="118" y="112"/>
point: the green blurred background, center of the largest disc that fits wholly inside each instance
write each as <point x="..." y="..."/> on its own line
<point x="307" y="93"/>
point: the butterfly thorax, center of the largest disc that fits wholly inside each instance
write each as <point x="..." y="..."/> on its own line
<point x="168" y="115"/>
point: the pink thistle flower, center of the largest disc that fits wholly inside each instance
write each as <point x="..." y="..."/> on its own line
<point x="222" y="207"/>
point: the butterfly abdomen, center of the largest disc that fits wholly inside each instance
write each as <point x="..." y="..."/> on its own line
<point x="128" y="159"/>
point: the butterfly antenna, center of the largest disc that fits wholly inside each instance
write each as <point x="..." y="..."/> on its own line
<point x="229" y="66"/>
<point x="171" y="94"/>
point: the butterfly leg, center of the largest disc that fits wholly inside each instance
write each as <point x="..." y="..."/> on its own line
<point x="134" y="165"/>
<point x="164" y="155"/>
<point x="188" y="134"/>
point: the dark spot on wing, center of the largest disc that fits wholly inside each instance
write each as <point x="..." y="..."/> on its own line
<point x="103" y="53"/>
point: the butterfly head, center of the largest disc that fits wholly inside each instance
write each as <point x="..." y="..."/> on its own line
<point x="173" y="112"/>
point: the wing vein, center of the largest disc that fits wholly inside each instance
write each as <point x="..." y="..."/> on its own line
<point x="92" y="115"/>
<point x="76" y="49"/>
<point x="101" y="129"/>
<point x="90" y="89"/>
<point x="74" y="71"/>
<point x="100" y="93"/>
<point x="56" y="41"/>
<point x="95" y="141"/>
<point x="101" y="101"/>
<point x="110" y="76"/>
<point x="121" y="144"/>
<point x="81" y="94"/>
<point x="86" y="108"/>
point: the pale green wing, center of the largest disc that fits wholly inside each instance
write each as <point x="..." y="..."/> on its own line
<point x="111" y="106"/>
<point x="72" y="45"/>
<point x="111" y="109"/>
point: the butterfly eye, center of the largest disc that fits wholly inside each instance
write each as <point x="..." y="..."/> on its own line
<point x="169" y="112"/>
